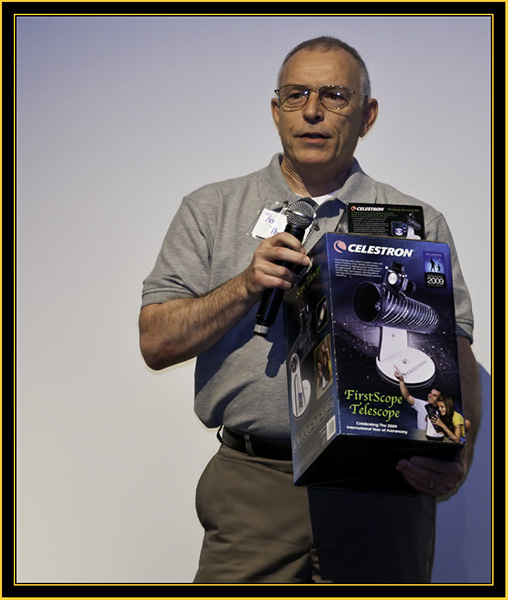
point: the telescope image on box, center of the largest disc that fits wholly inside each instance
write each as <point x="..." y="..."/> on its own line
<point x="300" y="388"/>
<point x="388" y="306"/>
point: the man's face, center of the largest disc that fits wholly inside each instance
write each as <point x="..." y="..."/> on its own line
<point x="314" y="138"/>
<point x="432" y="396"/>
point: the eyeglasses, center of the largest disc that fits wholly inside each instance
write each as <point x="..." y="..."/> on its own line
<point x="332" y="97"/>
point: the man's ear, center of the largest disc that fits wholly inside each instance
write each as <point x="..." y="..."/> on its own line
<point x="275" y="111"/>
<point x="370" y="112"/>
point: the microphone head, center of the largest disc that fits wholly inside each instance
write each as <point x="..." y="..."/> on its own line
<point x="300" y="214"/>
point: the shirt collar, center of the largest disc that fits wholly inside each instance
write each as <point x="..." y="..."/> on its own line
<point x="358" y="187"/>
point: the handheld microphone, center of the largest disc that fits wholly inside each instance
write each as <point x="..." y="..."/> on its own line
<point x="299" y="216"/>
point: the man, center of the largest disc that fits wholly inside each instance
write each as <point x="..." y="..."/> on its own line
<point x="423" y="418"/>
<point x="201" y="300"/>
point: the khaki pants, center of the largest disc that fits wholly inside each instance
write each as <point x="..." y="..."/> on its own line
<point x="260" y="528"/>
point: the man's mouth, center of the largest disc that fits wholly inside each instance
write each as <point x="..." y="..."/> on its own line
<point x="314" y="135"/>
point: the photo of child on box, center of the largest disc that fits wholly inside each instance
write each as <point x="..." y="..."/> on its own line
<point x="371" y="349"/>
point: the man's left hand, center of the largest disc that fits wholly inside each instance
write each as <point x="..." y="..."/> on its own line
<point x="433" y="476"/>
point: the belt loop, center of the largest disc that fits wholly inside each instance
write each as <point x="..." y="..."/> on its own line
<point x="248" y="445"/>
<point x="219" y="437"/>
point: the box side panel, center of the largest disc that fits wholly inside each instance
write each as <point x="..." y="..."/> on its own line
<point x="311" y="376"/>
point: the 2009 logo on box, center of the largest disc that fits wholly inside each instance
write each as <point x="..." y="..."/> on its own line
<point x="435" y="280"/>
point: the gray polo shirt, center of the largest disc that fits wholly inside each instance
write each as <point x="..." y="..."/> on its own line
<point x="241" y="381"/>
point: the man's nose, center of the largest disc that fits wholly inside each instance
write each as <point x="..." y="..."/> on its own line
<point x="313" y="110"/>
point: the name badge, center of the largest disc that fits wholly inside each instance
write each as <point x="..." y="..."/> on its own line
<point x="269" y="223"/>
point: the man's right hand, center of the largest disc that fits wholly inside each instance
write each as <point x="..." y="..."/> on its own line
<point x="265" y="270"/>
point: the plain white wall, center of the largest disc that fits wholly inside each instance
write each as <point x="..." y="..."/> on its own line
<point x="118" y="118"/>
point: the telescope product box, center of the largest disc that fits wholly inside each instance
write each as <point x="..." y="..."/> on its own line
<point x="365" y="308"/>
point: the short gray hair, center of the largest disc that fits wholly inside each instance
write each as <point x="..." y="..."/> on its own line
<point x="327" y="43"/>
